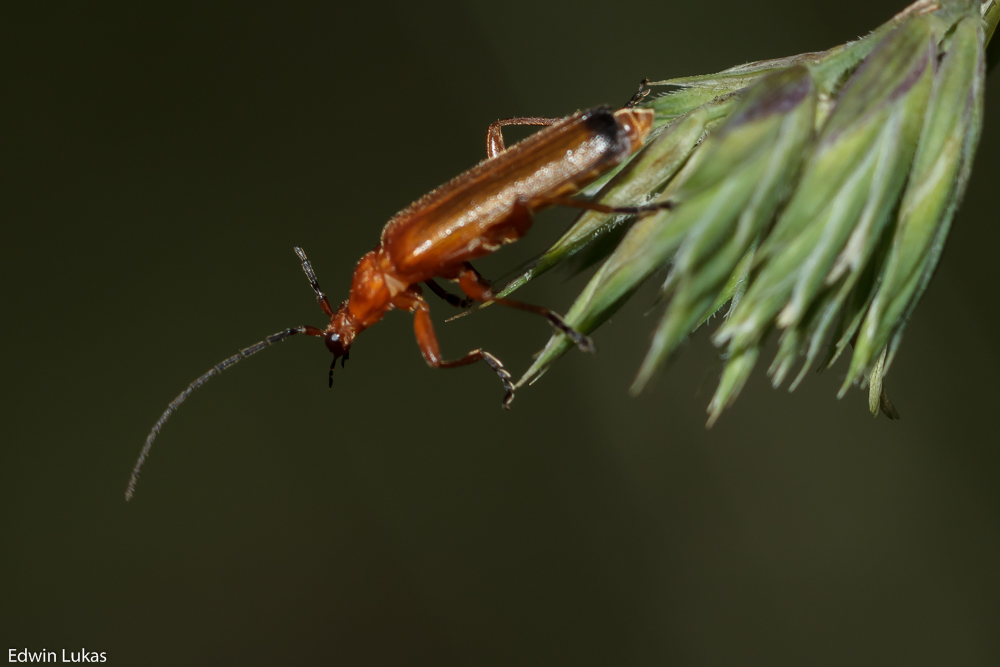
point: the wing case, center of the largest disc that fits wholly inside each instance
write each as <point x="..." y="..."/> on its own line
<point x="468" y="217"/>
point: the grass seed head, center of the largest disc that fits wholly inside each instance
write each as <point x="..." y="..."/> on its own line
<point x="812" y="193"/>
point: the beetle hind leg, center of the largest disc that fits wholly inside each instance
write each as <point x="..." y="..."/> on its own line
<point x="494" y="135"/>
<point x="570" y="202"/>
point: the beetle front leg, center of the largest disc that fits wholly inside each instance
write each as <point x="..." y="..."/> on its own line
<point x="431" y="350"/>
<point x="476" y="287"/>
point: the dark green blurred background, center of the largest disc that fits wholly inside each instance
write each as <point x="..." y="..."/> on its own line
<point x="160" y="160"/>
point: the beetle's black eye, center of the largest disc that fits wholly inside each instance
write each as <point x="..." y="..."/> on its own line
<point x="334" y="344"/>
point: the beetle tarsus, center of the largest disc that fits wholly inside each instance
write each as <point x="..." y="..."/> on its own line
<point x="582" y="341"/>
<point x="638" y="97"/>
<point x="508" y="386"/>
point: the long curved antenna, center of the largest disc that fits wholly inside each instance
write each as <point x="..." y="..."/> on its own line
<point x="218" y="368"/>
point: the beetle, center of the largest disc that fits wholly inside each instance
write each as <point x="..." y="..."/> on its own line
<point x="469" y="217"/>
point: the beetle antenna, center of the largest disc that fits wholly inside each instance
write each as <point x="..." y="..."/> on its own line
<point x="324" y="303"/>
<point x="218" y="368"/>
<point x="640" y="94"/>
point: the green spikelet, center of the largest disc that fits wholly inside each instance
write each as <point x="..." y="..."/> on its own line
<point x="850" y="184"/>
<point x="813" y="193"/>
<point x="937" y="181"/>
<point x="762" y="145"/>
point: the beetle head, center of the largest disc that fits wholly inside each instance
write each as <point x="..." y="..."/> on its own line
<point x="336" y="344"/>
<point x="339" y="335"/>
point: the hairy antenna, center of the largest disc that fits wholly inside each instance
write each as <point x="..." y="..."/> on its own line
<point x="218" y="368"/>
<point x="324" y="303"/>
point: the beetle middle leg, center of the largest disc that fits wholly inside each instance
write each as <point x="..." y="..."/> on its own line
<point x="448" y="297"/>
<point x="427" y="340"/>
<point x="476" y="287"/>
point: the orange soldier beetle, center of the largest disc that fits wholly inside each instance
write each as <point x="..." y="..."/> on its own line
<point x="469" y="217"/>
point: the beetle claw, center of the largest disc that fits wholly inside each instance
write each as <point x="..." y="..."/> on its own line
<point x="585" y="343"/>
<point x="508" y="386"/>
<point x="508" y="397"/>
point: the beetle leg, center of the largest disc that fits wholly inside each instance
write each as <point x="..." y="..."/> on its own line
<point x="494" y="136"/>
<point x="477" y="288"/>
<point x="638" y="97"/>
<point x="540" y="202"/>
<point x="448" y="296"/>
<point x="431" y="351"/>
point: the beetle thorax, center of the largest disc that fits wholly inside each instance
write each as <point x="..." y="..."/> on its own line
<point x="375" y="285"/>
